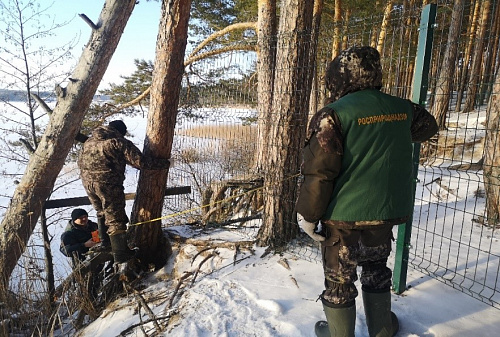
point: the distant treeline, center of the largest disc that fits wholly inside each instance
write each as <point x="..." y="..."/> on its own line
<point x="20" y="96"/>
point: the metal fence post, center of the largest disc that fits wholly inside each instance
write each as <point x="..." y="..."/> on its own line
<point x="419" y="95"/>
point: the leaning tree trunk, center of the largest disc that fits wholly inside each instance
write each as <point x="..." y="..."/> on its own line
<point x="491" y="164"/>
<point x="444" y="83"/>
<point x="154" y="247"/>
<point x="47" y="161"/>
<point x="292" y="86"/>
<point x="266" y="60"/>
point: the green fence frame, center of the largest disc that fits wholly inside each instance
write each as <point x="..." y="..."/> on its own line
<point x="419" y="95"/>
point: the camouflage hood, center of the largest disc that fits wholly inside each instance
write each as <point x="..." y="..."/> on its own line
<point x="106" y="132"/>
<point x="355" y="69"/>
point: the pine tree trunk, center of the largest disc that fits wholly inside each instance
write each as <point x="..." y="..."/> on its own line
<point x="444" y="83"/>
<point x="47" y="161"/>
<point x="383" y="28"/>
<point x="491" y="52"/>
<point x="290" y="106"/>
<point x="266" y="61"/>
<point x="154" y="247"/>
<point x="337" y="22"/>
<point x="491" y="164"/>
<point x="316" y="23"/>
<point x="464" y="71"/>
<point x="374" y="32"/>
<point x="477" y="62"/>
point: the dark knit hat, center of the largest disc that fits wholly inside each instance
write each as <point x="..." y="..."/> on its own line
<point x="120" y="126"/>
<point x="77" y="213"/>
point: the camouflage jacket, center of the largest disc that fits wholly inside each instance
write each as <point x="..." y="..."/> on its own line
<point x="105" y="154"/>
<point x="323" y="159"/>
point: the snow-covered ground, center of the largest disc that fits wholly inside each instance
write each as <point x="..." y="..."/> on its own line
<point x="276" y="295"/>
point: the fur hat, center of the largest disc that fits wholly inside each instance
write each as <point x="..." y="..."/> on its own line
<point x="77" y="213"/>
<point x="119" y="125"/>
<point x="354" y="69"/>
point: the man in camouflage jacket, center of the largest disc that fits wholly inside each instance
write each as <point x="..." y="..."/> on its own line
<point x="102" y="163"/>
<point x="358" y="182"/>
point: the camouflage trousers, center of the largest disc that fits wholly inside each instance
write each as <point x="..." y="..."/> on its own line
<point x="109" y="202"/>
<point x="346" y="249"/>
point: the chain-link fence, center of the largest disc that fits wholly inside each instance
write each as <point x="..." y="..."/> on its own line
<point x="454" y="234"/>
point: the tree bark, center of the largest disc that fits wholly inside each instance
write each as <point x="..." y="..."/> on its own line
<point x="491" y="53"/>
<point x="491" y="164"/>
<point x="444" y="83"/>
<point x="266" y="62"/>
<point x="477" y="62"/>
<point x="464" y="70"/>
<point x="46" y="163"/>
<point x="383" y="28"/>
<point x="292" y="86"/>
<point x="337" y="22"/>
<point x="316" y="25"/>
<point x="154" y="247"/>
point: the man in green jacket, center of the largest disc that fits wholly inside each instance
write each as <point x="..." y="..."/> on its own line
<point x="358" y="182"/>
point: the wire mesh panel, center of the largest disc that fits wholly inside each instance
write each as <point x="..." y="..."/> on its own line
<point x="455" y="237"/>
<point x="455" y="232"/>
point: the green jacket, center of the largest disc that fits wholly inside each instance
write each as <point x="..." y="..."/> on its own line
<point x="375" y="179"/>
<point x="329" y="159"/>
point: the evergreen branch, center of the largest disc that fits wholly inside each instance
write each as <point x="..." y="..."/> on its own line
<point x="135" y="100"/>
<point x="220" y="51"/>
<point x="189" y="61"/>
<point x="230" y="28"/>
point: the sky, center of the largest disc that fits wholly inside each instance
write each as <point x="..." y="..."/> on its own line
<point x="137" y="42"/>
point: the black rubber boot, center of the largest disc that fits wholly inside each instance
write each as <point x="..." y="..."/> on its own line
<point x="105" y="244"/>
<point x="103" y="232"/>
<point x="121" y="251"/>
<point x="340" y="322"/>
<point x="381" y="321"/>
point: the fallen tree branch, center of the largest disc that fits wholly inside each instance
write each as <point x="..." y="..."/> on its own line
<point x="177" y="287"/>
<point x="133" y="326"/>
<point x="211" y="243"/>
<point x="214" y="253"/>
<point x="146" y="307"/>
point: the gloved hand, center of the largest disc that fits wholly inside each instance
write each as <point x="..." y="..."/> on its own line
<point x="309" y="228"/>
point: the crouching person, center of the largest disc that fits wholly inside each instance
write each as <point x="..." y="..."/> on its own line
<point x="76" y="240"/>
<point x="357" y="171"/>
